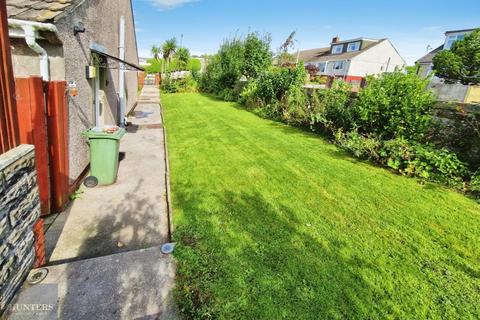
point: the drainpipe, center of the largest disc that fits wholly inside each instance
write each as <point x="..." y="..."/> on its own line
<point x="121" y="73"/>
<point x="30" y="30"/>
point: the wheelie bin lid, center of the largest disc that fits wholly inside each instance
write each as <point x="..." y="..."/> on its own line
<point x="105" y="133"/>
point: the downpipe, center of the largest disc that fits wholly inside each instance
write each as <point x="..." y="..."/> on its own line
<point x="30" y="30"/>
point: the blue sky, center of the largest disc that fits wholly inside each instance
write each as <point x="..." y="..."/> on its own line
<point x="410" y="25"/>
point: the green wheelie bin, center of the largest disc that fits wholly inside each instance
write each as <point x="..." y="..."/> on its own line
<point x="104" y="149"/>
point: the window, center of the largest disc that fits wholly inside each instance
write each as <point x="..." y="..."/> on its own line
<point x="337" y="49"/>
<point x="354" y="46"/>
<point x="321" y="66"/>
<point x="338" y="65"/>
<point x="451" y="40"/>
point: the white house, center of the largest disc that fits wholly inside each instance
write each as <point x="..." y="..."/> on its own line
<point x="425" y="64"/>
<point x="352" y="60"/>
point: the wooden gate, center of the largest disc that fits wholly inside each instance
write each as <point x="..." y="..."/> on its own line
<point x="33" y="130"/>
<point x="43" y="121"/>
<point x="8" y="116"/>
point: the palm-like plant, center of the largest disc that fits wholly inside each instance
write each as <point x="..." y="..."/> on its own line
<point x="183" y="56"/>
<point x="156" y="51"/>
<point x="168" y="49"/>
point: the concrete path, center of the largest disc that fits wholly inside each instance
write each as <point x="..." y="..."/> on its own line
<point x="104" y="251"/>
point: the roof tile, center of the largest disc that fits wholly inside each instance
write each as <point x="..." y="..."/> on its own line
<point x="37" y="10"/>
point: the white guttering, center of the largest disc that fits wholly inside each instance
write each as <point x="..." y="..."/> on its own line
<point x="121" y="73"/>
<point x="30" y="29"/>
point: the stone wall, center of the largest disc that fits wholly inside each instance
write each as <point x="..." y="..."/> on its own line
<point x="19" y="210"/>
<point x="458" y="129"/>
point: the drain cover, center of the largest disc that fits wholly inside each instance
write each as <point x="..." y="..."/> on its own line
<point x="168" y="248"/>
<point x="37" y="276"/>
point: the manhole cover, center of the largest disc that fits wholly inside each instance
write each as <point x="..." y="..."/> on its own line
<point x="37" y="276"/>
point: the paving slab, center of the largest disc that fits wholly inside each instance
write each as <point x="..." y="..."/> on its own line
<point x="103" y="252"/>
<point x="128" y="215"/>
<point x="132" y="285"/>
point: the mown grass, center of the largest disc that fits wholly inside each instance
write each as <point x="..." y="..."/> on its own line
<point x="273" y="222"/>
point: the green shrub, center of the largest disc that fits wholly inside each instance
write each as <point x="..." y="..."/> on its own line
<point x="210" y="79"/>
<point x="360" y="146"/>
<point x="273" y="85"/>
<point x="294" y="107"/>
<point x="278" y="94"/>
<point x="187" y="84"/>
<point x="395" y="105"/>
<point x="258" y="57"/>
<point x="475" y="182"/>
<point x="424" y="161"/>
<point x="332" y="110"/>
<point x="169" y="85"/>
<point x="411" y="159"/>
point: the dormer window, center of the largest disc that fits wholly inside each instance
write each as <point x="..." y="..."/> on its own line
<point x="451" y="40"/>
<point x="337" y="49"/>
<point x="353" y="46"/>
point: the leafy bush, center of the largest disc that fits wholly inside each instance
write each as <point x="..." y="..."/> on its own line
<point x="273" y="85"/>
<point x="332" y="110"/>
<point x="424" y="161"/>
<point x="278" y="94"/>
<point x="210" y="79"/>
<point x="258" y="57"/>
<point x="475" y="182"/>
<point x="360" y="146"/>
<point x="186" y="84"/>
<point x="395" y="105"/>
<point x="235" y="59"/>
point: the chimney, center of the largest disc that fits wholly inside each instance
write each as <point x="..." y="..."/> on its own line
<point x="336" y="39"/>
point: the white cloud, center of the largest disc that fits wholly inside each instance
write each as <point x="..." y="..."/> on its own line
<point x="170" y="4"/>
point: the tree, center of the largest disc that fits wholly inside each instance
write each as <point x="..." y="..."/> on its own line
<point x="312" y="70"/>
<point x="284" y="58"/>
<point x="156" y="51"/>
<point x="168" y="49"/>
<point x="258" y="57"/>
<point x="462" y="62"/>
<point x="183" y="57"/>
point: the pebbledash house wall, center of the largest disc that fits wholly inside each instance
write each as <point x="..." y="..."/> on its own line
<point x="19" y="210"/>
<point x="375" y="60"/>
<point x="70" y="56"/>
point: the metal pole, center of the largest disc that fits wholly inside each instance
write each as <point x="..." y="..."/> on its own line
<point x="121" y="73"/>
<point x="388" y="64"/>
<point x="97" y="99"/>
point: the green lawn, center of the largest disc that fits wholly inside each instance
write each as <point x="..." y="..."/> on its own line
<point x="275" y="223"/>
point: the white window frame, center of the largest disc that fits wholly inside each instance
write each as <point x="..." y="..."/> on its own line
<point x="335" y="47"/>
<point x="355" y="45"/>
<point x="322" y="67"/>
<point x="339" y="65"/>
<point x="452" y="39"/>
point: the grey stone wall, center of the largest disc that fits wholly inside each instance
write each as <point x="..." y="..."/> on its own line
<point x="19" y="210"/>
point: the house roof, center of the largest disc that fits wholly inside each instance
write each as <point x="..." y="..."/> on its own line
<point x="461" y="30"/>
<point x="428" y="58"/>
<point x="39" y="10"/>
<point x="324" y="54"/>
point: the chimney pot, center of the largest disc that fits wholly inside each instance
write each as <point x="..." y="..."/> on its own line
<point x="336" y="39"/>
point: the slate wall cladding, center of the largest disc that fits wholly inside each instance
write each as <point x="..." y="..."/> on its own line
<point x="19" y="210"/>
